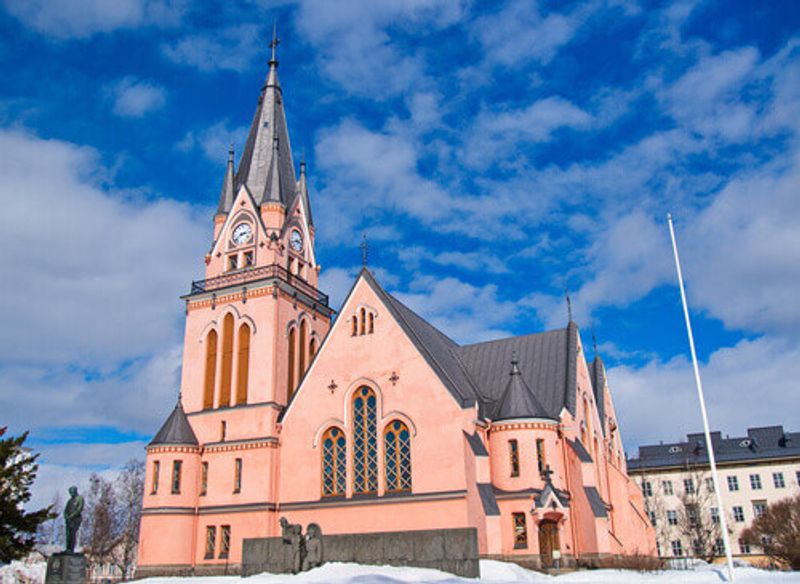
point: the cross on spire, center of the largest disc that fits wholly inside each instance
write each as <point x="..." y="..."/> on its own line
<point x="569" y="303"/>
<point x="364" y="249"/>
<point x="273" y="44"/>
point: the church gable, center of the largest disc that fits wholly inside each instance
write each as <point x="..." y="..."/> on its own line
<point x="240" y="238"/>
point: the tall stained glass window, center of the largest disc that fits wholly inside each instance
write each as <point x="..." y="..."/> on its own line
<point x="397" y="443"/>
<point x="334" y="462"/>
<point x="365" y="442"/>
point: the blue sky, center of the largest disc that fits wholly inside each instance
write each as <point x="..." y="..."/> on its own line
<point x="495" y="153"/>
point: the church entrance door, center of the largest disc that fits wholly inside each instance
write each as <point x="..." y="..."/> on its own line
<point x="548" y="541"/>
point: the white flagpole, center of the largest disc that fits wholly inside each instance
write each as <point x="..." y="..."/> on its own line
<point x="709" y="445"/>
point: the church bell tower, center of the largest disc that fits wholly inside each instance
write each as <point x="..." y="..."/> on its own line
<point x="253" y="325"/>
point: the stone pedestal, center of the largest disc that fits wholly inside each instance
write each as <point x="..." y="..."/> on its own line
<point x="66" y="568"/>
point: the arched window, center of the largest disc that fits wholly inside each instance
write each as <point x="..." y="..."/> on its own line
<point x="365" y="442"/>
<point x="301" y="349"/>
<point x="227" y="361"/>
<point x="371" y="323"/>
<point x="354" y="330"/>
<point x="312" y="349"/>
<point x="211" y="370"/>
<point x="334" y="462"/>
<point x="290" y="376"/>
<point x="397" y="442"/>
<point x="363" y="321"/>
<point x="243" y="361"/>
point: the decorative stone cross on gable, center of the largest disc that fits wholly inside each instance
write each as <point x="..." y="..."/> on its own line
<point x="394" y="378"/>
<point x="332" y="386"/>
<point x="546" y="474"/>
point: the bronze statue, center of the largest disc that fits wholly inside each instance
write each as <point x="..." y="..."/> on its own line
<point x="313" y="557"/>
<point x="292" y="533"/>
<point x="72" y="518"/>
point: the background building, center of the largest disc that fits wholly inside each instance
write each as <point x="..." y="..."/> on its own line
<point x="754" y="471"/>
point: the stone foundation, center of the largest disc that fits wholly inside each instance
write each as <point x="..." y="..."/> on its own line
<point x="66" y="568"/>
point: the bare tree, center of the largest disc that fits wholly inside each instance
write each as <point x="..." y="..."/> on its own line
<point x="102" y="532"/>
<point x="777" y="532"/>
<point x="130" y="490"/>
<point x="696" y="522"/>
<point x="51" y="532"/>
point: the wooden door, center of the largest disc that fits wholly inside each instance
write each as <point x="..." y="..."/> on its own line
<point x="548" y="542"/>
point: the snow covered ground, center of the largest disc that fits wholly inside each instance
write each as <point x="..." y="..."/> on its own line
<point x="491" y="571"/>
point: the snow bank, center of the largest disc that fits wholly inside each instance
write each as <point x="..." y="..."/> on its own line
<point x="494" y="572"/>
<point x="23" y="573"/>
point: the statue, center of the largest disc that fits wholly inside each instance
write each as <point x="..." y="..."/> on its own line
<point x="313" y="557"/>
<point x="292" y="533"/>
<point x="72" y="518"/>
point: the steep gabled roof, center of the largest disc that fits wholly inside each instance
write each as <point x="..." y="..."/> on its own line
<point x="547" y="363"/>
<point x="176" y="430"/>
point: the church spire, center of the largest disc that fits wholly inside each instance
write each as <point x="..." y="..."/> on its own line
<point x="227" y="194"/>
<point x="302" y="190"/>
<point x="266" y="168"/>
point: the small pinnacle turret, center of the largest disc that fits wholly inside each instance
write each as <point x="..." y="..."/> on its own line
<point x="228" y="193"/>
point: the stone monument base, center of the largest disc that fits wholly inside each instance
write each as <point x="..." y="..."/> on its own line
<point x="66" y="568"/>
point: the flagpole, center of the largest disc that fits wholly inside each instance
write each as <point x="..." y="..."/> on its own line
<point x="709" y="445"/>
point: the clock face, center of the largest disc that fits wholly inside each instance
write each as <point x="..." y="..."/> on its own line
<point x="296" y="240"/>
<point x="242" y="233"/>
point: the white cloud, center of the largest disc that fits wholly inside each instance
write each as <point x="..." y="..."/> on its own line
<point x="133" y="98"/>
<point x="473" y="261"/>
<point x="354" y="47"/>
<point x="746" y="385"/>
<point x="215" y="140"/>
<point x="64" y="19"/>
<point x="233" y="48"/>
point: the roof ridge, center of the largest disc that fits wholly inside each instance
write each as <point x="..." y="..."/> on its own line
<point x="507" y="339"/>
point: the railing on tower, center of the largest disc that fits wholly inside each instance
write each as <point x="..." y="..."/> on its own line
<point x="252" y="274"/>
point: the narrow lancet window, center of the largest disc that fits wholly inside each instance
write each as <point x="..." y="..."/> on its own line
<point x="290" y="375"/>
<point x="334" y="462"/>
<point x="227" y="361"/>
<point x="362" y="329"/>
<point x="365" y="442"/>
<point x="211" y="370"/>
<point x="397" y="444"/>
<point x="301" y="349"/>
<point x="513" y="454"/>
<point x="243" y="365"/>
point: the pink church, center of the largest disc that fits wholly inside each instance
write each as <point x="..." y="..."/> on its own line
<point x="373" y="421"/>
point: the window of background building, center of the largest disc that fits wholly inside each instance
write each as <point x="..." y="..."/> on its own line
<point x="176" y="476"/>
<point x="204" y="479"/>
<point x="688" y="486"/>
<point x="697" y="547"/>
<point x="513" y="453"/>
<point x="733" y="483"/>
<point x="652" y="516"/>
<point x="237" y="476"/>
<point x="224" y="541"/>
<point x="777" y="480"/>
<point x="691" y="515"/>
<point x="719" y="547"/>
<point x="211" y="541"/>
<point x="710" y="485"/>
<point x="156" y="470"/>
<point x="755" y="482"/>
<point x="677" y="548"/>
<point x="672" y="517"/>
<point x="520" y="531"/>
<point x="666" y="486"/>
<point x="759" y="507"/>
<point x="744" y="548"/>
<point x="797" y="476"/>
<point x="714" y="515"/>
<point x="647" y="488"/>
<point x="738" y="514"/>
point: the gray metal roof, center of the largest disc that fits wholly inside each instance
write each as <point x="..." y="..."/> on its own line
<point x="176" y="430"/>
<point x="488" y="500"/>
<point x="476" y="444"/>
<point x="767" y="442"/>
<point x="597" y="371"/>
<point x="517" y="401"/>
<point x="580" y="450"/>
<point x="547" y="365"/>
<point x="599" y="508"/>
<point x="266" y="167"/>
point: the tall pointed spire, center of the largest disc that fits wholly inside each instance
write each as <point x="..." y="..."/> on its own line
<point x="227" y="194"/>
<point x="302" y="190"/>
<point x="266" y="170"/>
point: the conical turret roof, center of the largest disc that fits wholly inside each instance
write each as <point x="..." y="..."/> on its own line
<point x="176" y="430"/>
<point x="517" y="401"/>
